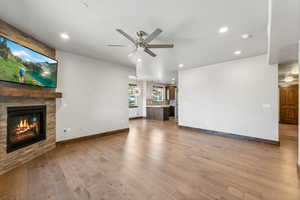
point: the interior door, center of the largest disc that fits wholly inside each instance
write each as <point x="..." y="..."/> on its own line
<point x="289" y="104"/>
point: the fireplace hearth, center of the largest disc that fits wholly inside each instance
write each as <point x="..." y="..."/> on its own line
<point x="25" y="126"/>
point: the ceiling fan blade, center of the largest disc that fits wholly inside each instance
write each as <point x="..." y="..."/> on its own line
<point x="117" y="45"/>
<point x="152" y="46"/>
<point x="126" y="35"/>
<point x="144" y="33"/>
<point x="150" y="52"/>
<point x="153" y="35"/>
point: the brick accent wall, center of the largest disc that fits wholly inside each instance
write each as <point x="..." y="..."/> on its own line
<point x="8" y="161"/>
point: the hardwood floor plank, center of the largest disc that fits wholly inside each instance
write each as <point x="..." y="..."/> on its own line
<point x="159" y="161"/>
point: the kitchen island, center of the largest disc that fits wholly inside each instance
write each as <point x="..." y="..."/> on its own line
<point x="158" y="112"/>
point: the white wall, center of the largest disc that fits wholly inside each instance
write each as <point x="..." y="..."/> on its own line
<point x="239" y="97"/>
<point x="144" y="98"/>
<point x="95" y="96"/>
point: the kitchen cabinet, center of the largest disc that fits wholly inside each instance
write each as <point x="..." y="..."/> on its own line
<point x="158" y="112"/>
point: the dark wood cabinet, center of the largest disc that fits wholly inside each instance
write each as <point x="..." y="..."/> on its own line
<point x="289" y="104"/>
<point x="171" y="92"/>
<point x="158" y="113"/>
<point x="172" y="111"/>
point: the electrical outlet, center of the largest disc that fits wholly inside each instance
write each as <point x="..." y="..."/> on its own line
<point x="67" y="130"/>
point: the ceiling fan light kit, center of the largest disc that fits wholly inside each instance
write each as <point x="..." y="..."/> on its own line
<point x="143" y="41"/>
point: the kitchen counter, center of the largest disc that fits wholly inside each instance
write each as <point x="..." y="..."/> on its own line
<point x="158" y="112"/>
<point x="158" y="106"/>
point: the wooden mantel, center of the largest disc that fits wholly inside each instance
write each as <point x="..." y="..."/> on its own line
<point x="29" y="93"/>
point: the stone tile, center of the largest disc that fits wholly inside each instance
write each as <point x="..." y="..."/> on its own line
<point x="16" y="158"/>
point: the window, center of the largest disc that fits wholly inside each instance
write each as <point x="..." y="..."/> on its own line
<point x="157" y="93"/>
<point x="132" y="98"/>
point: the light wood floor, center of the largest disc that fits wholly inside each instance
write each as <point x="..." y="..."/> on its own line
<point x="159" y="161"/>
<point x="288" y="132"/>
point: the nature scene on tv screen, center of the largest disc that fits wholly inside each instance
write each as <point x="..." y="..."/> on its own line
<point x="22" y="65"/>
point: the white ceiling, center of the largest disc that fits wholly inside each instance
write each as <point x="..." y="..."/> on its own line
<point x="284" y="34"/>
<point x="192" y="25"/>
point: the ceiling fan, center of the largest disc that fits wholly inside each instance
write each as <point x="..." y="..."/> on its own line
<point x="143" y="40"/>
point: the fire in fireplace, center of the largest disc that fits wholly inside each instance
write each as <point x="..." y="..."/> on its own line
<point x="25" y="126"/>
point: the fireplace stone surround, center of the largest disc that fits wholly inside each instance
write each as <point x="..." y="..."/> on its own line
<point x="13" y="159"/>
<point x="15" y="95"/>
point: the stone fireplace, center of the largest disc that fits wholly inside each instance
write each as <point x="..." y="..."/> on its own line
<point x="27" y="114"/>
<point x="25" y="126"/>
<point x="27" y="129"/>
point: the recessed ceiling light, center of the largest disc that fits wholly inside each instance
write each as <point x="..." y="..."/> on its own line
<point x="181" y="65"/>
<point x="139" y="60"/>
<point x="64" y="36"/>
<point x="246" y="36"/>
<point x="223" y="29"/>
<point x="238" y="52"/>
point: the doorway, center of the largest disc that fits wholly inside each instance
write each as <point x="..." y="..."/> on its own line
<point x="288" y="103"/>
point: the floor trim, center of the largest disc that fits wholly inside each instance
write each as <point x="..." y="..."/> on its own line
<point x="231" y="135"/>
<point x="88" y="137"/>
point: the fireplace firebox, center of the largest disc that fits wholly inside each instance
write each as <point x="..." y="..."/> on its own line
<point x="25" y="126"/>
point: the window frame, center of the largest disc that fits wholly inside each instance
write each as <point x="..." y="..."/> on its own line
<point x="131" y="95"/>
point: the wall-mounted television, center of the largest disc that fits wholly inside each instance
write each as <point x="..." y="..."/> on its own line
<point x="22" y="65"/>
